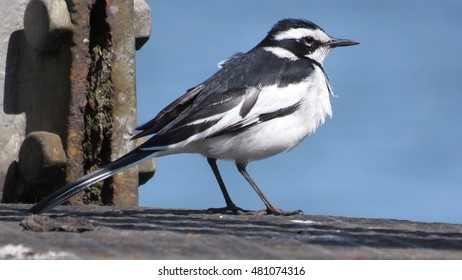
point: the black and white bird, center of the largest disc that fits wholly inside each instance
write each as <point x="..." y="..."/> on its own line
<point x="259" y="103"/>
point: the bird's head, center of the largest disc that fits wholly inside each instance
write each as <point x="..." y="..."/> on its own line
<point x="297" y="38"/>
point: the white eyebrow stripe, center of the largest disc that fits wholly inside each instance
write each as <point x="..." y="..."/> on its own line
<point x="295" y="33"/>
<point x="281" y="53"/>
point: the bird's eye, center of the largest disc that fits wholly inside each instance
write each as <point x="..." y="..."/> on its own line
<point x="308" y="40"/>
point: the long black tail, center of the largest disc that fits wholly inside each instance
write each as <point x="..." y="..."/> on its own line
<point x="132" y="158"/>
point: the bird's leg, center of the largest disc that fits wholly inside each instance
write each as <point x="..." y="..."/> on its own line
<point x="270" y="208"/>
<point x="230" y="206"/>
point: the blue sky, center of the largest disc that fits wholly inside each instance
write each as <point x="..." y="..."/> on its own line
<point x="391" y="150"/>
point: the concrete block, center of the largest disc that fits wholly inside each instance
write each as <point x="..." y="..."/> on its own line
<point x="42" y="157"/>
<point x="143" y="23"/>
<point x="47" y="23"/>
<point x="152" y="233"/>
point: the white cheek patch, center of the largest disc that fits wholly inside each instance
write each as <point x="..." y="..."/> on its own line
<point x="319" y="54"/>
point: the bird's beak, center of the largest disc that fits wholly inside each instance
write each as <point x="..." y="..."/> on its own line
<point x="341" y="43"/>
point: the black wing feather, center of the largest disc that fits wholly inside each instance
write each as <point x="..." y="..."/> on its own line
<point x="169" y="113"/>
<point x="248" y="123"/>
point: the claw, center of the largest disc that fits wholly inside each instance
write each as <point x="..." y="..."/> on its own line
<point x="228" y="210"/>
<point x="280" y="212"/>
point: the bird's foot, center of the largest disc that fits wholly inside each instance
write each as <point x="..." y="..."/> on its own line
<point x="279" y="212"/>
<point x="230" y="209"/>
<point x="239" y="211"/>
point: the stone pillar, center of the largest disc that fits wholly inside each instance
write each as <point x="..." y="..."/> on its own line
<point x="70" y="93"/>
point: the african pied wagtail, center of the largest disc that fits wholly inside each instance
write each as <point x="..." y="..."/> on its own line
<point x="259" y="104"/>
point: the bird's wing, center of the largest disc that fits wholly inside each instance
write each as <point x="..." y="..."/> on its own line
<point x="205" y="112"/>
<point x="169" y="113"/>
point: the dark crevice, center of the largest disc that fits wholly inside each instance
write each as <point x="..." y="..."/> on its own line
<point x="98" y="113"/>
